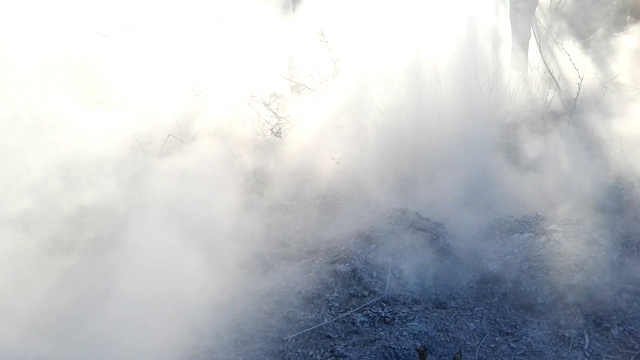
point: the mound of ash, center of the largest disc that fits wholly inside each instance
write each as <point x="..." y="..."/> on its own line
<point x="550" y="265"/>
<point x="537" y="288"/>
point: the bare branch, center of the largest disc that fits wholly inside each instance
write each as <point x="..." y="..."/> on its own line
<point x="165" y="141"/>
<point x="301" y="84"/>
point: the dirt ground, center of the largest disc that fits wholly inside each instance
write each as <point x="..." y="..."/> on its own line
<point x="536" y="289"/>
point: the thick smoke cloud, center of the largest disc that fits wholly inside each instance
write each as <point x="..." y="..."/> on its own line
<point x="151" y="156"/>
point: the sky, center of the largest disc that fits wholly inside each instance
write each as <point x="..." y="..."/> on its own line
<point x="151" y="153"/>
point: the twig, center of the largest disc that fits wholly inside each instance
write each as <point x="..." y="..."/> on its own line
<point x="544" y="61"/>
<point x="272" y="262"/>
<point x="78" y="90"/>
<point x="141" y="147"/>
<point x="335" y="61"/>
<point x="478" y="348"/>
<point x="301" y="84"/>
<point x="165" y="141"/>
<point x="107" y="36"/>
<point x="179" y="128"/>
<point x="604" y="85"/>
<point x="276" y="121"/>
<point x="347" y="313"/>
<point x="586" y="340"/>
<point x="580" y="77"/>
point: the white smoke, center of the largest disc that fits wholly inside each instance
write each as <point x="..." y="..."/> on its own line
<point x="150" y="152"/>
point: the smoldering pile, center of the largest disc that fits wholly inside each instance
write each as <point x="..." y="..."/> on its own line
<point x="537" y="288"/>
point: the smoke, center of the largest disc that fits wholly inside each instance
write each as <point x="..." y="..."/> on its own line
<point x="151" y="154"/>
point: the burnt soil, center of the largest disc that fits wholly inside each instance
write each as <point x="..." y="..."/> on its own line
<point x="536" y="289"/>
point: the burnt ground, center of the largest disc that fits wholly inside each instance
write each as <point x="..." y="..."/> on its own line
<point x="538" y="289"/>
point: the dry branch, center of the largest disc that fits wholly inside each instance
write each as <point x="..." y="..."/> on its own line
<point x="347" y="313"/>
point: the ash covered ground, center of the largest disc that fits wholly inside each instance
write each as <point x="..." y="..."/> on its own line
<point x="544" y="289"/>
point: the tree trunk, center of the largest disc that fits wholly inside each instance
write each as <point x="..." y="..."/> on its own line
<point x="522" y="14"/>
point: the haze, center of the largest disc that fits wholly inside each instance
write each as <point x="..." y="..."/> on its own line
<point x="151" y="152"/>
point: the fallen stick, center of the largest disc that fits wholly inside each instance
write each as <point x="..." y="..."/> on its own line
<point x="347" y="313"/>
